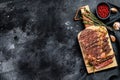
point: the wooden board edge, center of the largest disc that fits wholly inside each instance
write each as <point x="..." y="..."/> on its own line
<point x="114" y="64"/>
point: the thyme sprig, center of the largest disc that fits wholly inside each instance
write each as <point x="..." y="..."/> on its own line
<point x="93" y="18"/>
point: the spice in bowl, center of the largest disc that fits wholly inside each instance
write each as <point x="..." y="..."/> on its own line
<point x="103" y="10"/>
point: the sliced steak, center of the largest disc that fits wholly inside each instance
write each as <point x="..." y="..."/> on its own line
<point x="95" y="45"/>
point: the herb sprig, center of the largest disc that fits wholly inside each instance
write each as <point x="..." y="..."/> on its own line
<point x="93" y="18"/>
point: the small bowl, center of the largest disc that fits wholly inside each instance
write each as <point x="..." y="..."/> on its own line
<point x="101" y="14"/>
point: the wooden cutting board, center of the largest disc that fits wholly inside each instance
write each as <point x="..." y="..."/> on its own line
<point x="92" y="26"/>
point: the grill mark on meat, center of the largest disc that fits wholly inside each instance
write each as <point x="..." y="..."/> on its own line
<point x="99" y="61"/>
<point x="107" y="51"/>
<point x="106" y="48"/>
<point x="105" y="39"/>
<point x="92" y="42"/>
<point x="96" y="42"/>
<point x="87" y="39"/>
<point x="105" y="43"/>
<point x="85" y="33"/>
<point x="95" y="52"/>
<point x="93" y="45"/>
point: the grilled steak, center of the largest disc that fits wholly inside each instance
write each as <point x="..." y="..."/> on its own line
<point x="96" y="47"/>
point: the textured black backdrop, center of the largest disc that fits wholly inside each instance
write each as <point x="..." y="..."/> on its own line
<point x="38" y="41"/>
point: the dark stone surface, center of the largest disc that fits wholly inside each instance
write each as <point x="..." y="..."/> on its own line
<point x="38" y="41"/>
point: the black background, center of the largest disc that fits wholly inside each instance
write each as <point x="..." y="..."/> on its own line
<point x="38" y="41"/>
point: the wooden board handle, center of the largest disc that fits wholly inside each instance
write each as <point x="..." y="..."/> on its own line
<point x="85" y="19"/>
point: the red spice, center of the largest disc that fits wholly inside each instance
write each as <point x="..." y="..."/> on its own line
<point x="103" y="10"/>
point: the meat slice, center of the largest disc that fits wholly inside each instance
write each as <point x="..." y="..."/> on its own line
<point x="104" y="64"/>
<point x="99" y="61"/>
